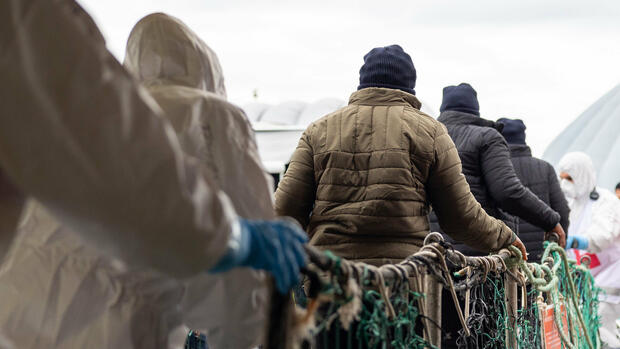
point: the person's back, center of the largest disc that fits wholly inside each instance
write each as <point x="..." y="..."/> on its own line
<point x="372" y="160"/>
<point x="487" y="166"/>
<point x="538" y="176"/>
<point x="362" y="178"/>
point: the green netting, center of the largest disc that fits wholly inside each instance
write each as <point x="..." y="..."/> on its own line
<point x="390" y="314"/>
<point x="374" y="327"/>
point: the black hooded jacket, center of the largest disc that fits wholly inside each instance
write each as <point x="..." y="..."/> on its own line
<point x="491" y="175"/>
<point x="540" y="177"/>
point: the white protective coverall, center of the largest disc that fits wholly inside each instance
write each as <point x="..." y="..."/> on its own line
<point x="95" y="152"/>
<point x="11" y="204"/>
<point x="185" y="78"/>
<point x="599" y="221"/>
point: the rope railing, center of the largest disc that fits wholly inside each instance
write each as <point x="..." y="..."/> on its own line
<point x="399" y="305"/>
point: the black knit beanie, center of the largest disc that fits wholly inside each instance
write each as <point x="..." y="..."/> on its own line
<point x="514" y="130"/>
<point x="389" y="67"/>
<point x="460" y="98"/>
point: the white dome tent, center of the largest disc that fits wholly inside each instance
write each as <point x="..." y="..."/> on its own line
<point x="286" y="113"/>
<point x="595" y="132"/>
<point x="319" y="109"/>
<point x="255" y="111"/>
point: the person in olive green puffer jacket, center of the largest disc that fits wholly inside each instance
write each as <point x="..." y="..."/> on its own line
<point x="362" y="178"/>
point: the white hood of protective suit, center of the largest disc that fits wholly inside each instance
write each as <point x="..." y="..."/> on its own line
<point x="184" y="77"/>
<point x="163" y="50"/>
<point x="579" y="166"/>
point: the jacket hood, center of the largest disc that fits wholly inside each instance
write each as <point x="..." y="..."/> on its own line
<point x="454" y="117"/>
<point x="163" y="50"/>
<point x="580" y="167"/>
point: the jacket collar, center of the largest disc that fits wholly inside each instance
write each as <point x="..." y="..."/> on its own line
<point x="379" y="95"/>
<point x="519" y="150"/>
<point x="453" y="117"/>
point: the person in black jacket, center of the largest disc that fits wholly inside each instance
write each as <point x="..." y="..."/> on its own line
<point x="488" y="170"/>
<point x="487" y="166"/>
<point x="538" y="176"/>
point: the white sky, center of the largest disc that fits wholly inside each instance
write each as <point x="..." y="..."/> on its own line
<point x="541" y="61"/>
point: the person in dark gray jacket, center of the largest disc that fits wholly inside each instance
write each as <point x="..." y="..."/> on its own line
<point x="487" y="166"/>
<point x="538" y="176"/>
<point x="488" y="170"/>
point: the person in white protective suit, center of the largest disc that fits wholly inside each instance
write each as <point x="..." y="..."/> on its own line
<point x="594" y="231"/>
<point x="119" y="218"/>
<point x="185" y="78"/>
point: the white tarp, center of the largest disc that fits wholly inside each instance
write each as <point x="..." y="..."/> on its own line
<point x="595" y="132"/>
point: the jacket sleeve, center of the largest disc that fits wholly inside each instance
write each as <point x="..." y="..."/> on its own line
<point x="604" y="229"/>
<point x="297" y="190"/>
<point x="505" y="187"/>
<point x="557" y="200"/>
<point x="79" y="135"/>
<point x="458" y="212"/>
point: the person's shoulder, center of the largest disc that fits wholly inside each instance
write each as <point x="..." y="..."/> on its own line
<point x="489" y="133"/>
<point x="216" y="102"/>
<point x="189" y="95"/>
<point x="321" y="124"/>
<point x="543" y="164"/>
<point x="214" y="109"/>
<point x="335" y="114"/>
<point x="606" y="197"/>
<point x="531" y="160"/>
<point x="607" y="204"/>
<point x="423" y="123"/>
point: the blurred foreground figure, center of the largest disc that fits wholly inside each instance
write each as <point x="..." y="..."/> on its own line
<point x="11" y="205"/>
<point x="538" y="176"/>
<point x="119" y="217"/>
<point x="362" y="178"/>
<point x="595" y="228"/>
<point x="219" y="135"/>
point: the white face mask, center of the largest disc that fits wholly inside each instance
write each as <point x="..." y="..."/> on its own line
<point x="568" y="188"/>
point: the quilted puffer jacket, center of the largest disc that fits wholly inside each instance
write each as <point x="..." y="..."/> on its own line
<point x="362" y="180"/>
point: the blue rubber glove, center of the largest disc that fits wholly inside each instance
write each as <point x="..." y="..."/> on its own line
<point x="274" y="246"/>
<point x="577" y="241"/>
